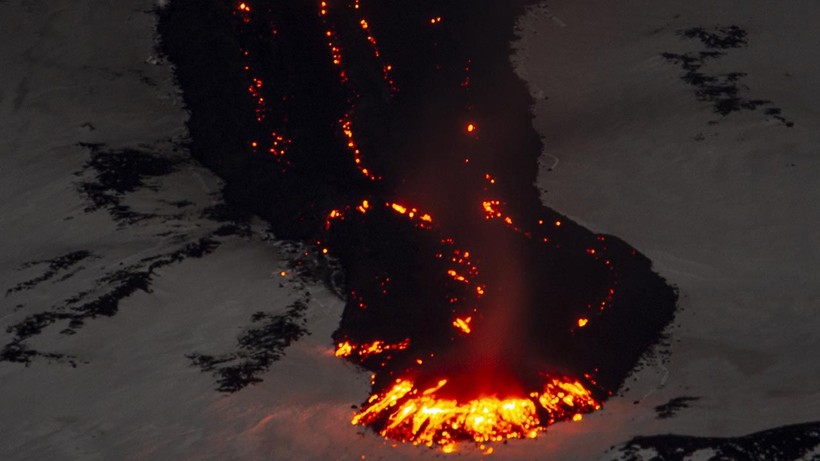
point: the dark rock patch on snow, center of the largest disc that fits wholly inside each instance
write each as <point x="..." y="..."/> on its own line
<point x="257" y="348"/>
<point x="58" y="265"/>
<point x="117" y="172"/>
<point x="786" y="443"/>
<point x="101" y="301"/>
<point x="671" y="408"/>
<point x="725" y="91"/>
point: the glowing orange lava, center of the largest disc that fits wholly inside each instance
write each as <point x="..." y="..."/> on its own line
<point x="420" y="417"/>
<point x="279" y="144"/>
<point x="346" y="348"/>
<point x="347" y="129"/>
<point x="413" y="214"/>
<point x="463" y="324"/>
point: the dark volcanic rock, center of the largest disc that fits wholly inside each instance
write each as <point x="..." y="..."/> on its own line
<point x="671" y="408"/>
<point x="725" y="91"/>
<point x="786" y="443"/>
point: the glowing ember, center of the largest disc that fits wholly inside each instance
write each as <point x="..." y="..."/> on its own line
<point x="344" y="349"/>
<point x="413" y="214"/>
<point x="455" y="275"/>
<point x="347" y="124"/>
<point x="364" y="206"/>
<point x="463" y="324"/>
<point x="347" y="349"/>
<point x="491" y="208"/>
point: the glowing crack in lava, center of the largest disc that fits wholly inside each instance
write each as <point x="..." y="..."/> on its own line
<point x="402" y="147"/>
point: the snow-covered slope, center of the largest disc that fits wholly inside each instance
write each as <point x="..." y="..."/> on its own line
<point x="118" y="263"/>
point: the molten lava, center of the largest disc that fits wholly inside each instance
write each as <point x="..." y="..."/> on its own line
<point x="346" y="349"/>
<point x="463" y="324"/>
<point x="409" y="414"/>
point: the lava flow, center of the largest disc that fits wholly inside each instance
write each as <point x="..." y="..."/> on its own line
<point x="410" y="159"/>
<point x="419" y="416"/>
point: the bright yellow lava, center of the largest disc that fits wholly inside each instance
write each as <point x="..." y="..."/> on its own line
<point x="408" y="414"/>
